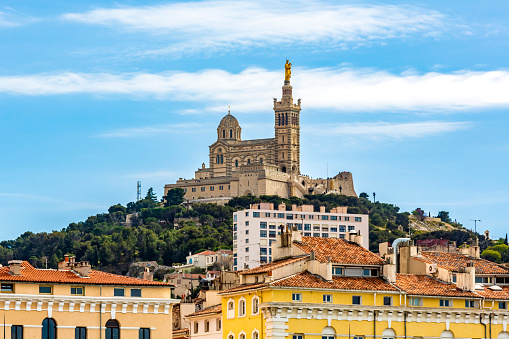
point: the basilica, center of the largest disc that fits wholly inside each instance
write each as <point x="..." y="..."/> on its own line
<point x="262" y="166"/>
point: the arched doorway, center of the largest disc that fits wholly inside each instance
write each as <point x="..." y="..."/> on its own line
<point x="49" y="329"/>
<point x="283" y="169"/>
<point x="388" y="333"/>
<point x="328" y="333"/>
<point x="112" y="329"/>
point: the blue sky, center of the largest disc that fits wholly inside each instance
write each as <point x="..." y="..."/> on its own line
<point x="409" y="96"/>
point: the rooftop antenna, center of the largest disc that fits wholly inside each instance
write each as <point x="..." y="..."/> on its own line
<point x="475" y="224"/>
<point x="138" y="191"/>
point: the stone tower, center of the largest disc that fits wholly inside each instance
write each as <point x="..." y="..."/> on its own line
<point x="287" y="129"/>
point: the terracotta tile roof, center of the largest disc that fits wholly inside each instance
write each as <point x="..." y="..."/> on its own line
<point x="205" y="253"/>
<point x="193" y="276"/>
<point x="494" y="294"/>
<point x="244" y="288"/>
<point x="425" y="285"/>
<point x="183" y="333"/>
<point x="32" y="274"/>
<point x="209" y="310"/>
<point x="339" y="251"/>
<point x="184" y="330"/>
<point x="308" y="280"/>
<point x="456" y="261"/>
<point x="273" y="265"/>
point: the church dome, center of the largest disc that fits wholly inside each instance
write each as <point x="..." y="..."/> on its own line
<point x="229" y="128"/>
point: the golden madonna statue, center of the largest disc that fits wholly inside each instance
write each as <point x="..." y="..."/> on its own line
<point x="288" y="70"/>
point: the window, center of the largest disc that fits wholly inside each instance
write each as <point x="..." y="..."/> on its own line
<point x="193" y="189"/>
<point x="307" y="234"/>
<point x="370" y="272"/>
<point x="211" y="188"/>
<point x="45" y="289"/>
<point x="325" y="235"/>
<point x="280" y="215"/>
<point x="255" y="334"/>
<point x="136" y="292"/>
<point x="333" y="229"/>
<point x="77" y="290"/>
<point x="341" y="236"/>
<point x="347" y="218"/>
<point x="342" y="228"/>
<point x="415" y="302"/>
<point x="325" y="217"/>
<point x="299" y="227"/>
<point x="234" y="227"/>
<point x="218" y="324"/>
<point x="311" y="216"/>
<point x="298" y="336"/>
<point x="234" y="217"/>
<point x="247" y="232"/>
<point x="358" y="337"/>
<point x="256" y="214"/>
<point x="296" y="296"/>
<point x="263" y="234"/>
<point x="327" y="298"/>
<point x="230" y="336"/>
<point x="242" y="308"/>
<point x="81" y="333"/>
<point x="196" y="327"/>
<point x="272" y="227"/>
<point x="272" y="234"/>
<point x="356" y="300"/>
<point x="325" y="229"/>
<point x="255" y="305"/>
<point x="17" y="332"/>
<point x="119" y="292"/>
<point x="247" y="248"/>
<point x="387" y="301"/>
<point x="112" y="329"/>
<point x="351" y="228"/>
<point x="263" y="251"/>
<point x="49" y="329"/>
<point x="469" y="303"/>
<point x="263" y="259"/>
<point x="316" y="227"/>
<point x="247" y="223"/>
<point x="358" y="219"/>
<point x="454" y="278"/>
<point x="7" y="288"/>
<point x="307" y="227"/>
<point x="220" y="188"/>
<point x="289" y="216"/>
<point x="316" y="234"/>
<point x="207" y="326"/>
<point x="242" y="336"/>
<point x="202" y="189"/>
<point x="267" y="215"/>
<point x="502" y="305"/>
<point x="144" y="333"/>
<point x="445" y="303"/>
<point x="483" y="280"/>
<point x="337" y="271"/>
<point x="333" y="217"/>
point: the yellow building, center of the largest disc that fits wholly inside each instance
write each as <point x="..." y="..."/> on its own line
<point x="333" y="288"/>
<point x="77" y="302"/>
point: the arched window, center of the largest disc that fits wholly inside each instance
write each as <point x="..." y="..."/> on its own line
<point x="242" y="335"/>
<point x="217" y="159"/>
<point x="255" y="335"/>
<point x="388" y="333"/>
<point x="224" y="134"/>
<point x="236" y="163"/>
<point x="242" y="307"/>
<point x="248" y="161"/>
<point x="112" y="329"/>
<point x="261" y="160"/>
<point x="503" y="335"/>
<point x="328" y="333"/>
<point x="231" y="336"/>
<point x="222" y="159"/>
<point x="283" y="169"/>
<point x="231" y="133"/>
<point x="255" y="308"/>
<point x="49" y="329"/>
<point x="230" y="312"/>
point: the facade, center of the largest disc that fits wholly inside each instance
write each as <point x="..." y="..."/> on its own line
<point x="333" y="288"/>
<point x="206" y="258"/>
<point x="206" y="323"/>
<point x="269" y="166"/>
<point x="184" y="283"/>
<point x="255" y="229"/>
<point x="77" y="302"/>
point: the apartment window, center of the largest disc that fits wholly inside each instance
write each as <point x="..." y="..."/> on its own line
<point x="80" y="333"/>
<point x="341" y="236"/>
<point x="502" y="305"/>
<point x="263" y="260"/>
<point x="311" y="216"/>
<point x="337" y="271"/>
<point x="136" y="292"/>
<point x="220" y="188"/>
<point x="333" y="217"/>
<point x="280" y="215"/>
<point x="255" y="305"/>
<point x="267" y="214"/>
<point x="195" y="327"/>
<point x="207" y="326"/>
<point x="387" y="301"/>
<point x="356" y="300"/>
<point x="325" y="235"/>
<point x="289" y="216"/>
<point x="242" y="336"/>
<point x="272" y="227"/>
<point x="299" y="227"/>
<point x="242" y="308"/>
<point x="325" y="229"/>
<point x="247" y="248"/>
<point x="263" y="251"/>
<point x="234" y="217"/>
<point x="263" y="234"/>
<point x="351" y="228"/>
<point x="358" y="337"/>
<point x="263" y="224"/>
<point x="469" y="303"/>
<point x="316" y="234"/>
<point x="234" y="227"/>
<point x="272" y="234"/>
<point x="415" y="301"/>
<point x="342" y="228"/>
<point x="77" y="290"/>
<point x="218" y="324"/>
<point x="307" y="227"/>
<point x="454" y="278"/>
<point x="327" y="298"/>
<point x="370" y="272"/>
<point x="333" y="229"/>
<point x="483" y="280"/>
<point x="316" y="227"/>
<point x="203" y="189"/>
<point x="45" y="289"/>
<point x="307" y="234"/>
<point x="7" y="288"/>
<point x="247" y="232"/>
<point x="247" y="223"/>
<point x="358" y="219"/>
<point x="256" y="214"/>
<point x="296" y="296"/>
<point x="193" y="189"/>
<point x="17" y="332"/>
<point x="119" y="292"/>
<point x="325" y="217"/>
<point x="445" y="303"/>
<point x="247" y="214"/>
<point x="144" y="333"/>
<point x="298" y="336"/>
<point x="347" y="218"/>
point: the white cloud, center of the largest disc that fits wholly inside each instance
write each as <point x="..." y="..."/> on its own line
<point x="14" y="19"/>
<point x="388" y="131"/>
<point x="331" y="89"/>
<point x="218" y="25"/>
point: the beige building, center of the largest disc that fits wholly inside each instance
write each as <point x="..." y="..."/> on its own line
<point x="77" y="302"/>
<point x="269" y="166"/>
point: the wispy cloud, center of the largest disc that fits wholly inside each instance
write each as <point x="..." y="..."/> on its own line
<point x="332" y="89"/>
<point x="218" y="25"/>
<point x="152" y="130"/>
<point x="13" y="19"/>
<point x="388" y="131"/>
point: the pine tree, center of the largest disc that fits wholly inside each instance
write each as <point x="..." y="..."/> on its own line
<point x="505" y="242"/>
<point x="151" y="195"/>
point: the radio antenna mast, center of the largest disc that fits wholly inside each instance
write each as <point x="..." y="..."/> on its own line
<point x="138" y="191"/>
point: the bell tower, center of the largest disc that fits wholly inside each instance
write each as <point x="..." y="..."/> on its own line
<point x="287" y="128"/>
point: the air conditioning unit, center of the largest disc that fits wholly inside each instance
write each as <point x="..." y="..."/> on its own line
<point x="431" y="268"/>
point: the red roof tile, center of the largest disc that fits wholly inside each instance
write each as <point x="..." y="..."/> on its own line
<point x="32" y="274"/>
<point x="209" y="310"/>
<point x="338" y="251"/>
<point x="426" y="285"/>
<point x="308" y="280"/>
<point x="207" y="252"/>
<point x="244" y="288"/>
<point x="488" y="293"/>
<point x="273" y="265"/>
<point x="456" y="261"/>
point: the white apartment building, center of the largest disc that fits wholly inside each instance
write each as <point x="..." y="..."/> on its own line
<point x="206" y="258"/>
<point x="256" y="228"/>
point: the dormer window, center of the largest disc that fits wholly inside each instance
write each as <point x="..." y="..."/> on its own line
<point x="337" y="271"/>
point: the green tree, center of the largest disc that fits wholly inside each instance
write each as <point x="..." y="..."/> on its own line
<point x="151" y="195"/>
<point x="175" y="196"/>
<point x="491" y="255"/>
<point x="364" y="195"/>
<point x="444" y="216"/>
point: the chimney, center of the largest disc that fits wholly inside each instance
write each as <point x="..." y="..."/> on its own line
<point x="15" y="267"/>
<point x="358" y="239"/>
<point x="322" y="209"/>
<point x="147" y="275"/>
<point x="389" y="270"/>
<point x="83" y="268"/>
<point x="466" y="278"/>
<point x="66" y="258"/>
